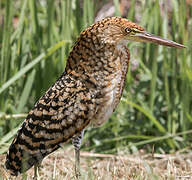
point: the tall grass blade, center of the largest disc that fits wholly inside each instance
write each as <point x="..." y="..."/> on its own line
<point x="49" y="52"/>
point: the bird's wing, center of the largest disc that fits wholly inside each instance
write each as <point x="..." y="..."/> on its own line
<point x="65" y="109"/>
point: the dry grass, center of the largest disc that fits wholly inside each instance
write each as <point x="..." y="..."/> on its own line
<point x="60" y="165"/>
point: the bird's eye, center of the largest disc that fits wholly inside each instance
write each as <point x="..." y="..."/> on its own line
<point x="128" y="30"/>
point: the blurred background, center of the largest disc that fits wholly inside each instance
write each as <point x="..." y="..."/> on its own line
<point x="155" y="114"/>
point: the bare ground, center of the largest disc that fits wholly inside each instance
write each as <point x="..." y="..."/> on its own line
<point x="60" y="165"/>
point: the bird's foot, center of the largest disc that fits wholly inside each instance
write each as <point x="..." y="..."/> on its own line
<point x="77" y="174"/>
<point x="77" y="170"/>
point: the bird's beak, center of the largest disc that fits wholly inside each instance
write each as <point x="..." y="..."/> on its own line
<point x="146" y="37"/>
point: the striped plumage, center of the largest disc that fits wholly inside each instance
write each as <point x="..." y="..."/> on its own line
<point x="86" y="93"/>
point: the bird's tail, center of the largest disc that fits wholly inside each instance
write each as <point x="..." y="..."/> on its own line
<point x="22" y="156"/>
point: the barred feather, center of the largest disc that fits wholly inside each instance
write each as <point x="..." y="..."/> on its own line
<point x="86" y="93"/>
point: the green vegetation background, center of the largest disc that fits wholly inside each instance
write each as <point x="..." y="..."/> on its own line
<point x="156" y="109"/>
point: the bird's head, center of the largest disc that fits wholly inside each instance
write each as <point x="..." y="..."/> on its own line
<point x="118" y="30"/>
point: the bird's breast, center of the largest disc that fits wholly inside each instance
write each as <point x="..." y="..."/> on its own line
<point x="112" y="93"/>
<point x="110" y="99"/>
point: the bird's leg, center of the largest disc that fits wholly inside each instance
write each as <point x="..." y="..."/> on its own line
<point x="76" y="141"/>
<point x="36" y="170"/>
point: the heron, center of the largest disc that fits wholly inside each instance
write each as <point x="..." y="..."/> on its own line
<point x="86" y="94"/>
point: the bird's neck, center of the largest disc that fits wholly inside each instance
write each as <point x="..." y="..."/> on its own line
<point x="97" y="61"/>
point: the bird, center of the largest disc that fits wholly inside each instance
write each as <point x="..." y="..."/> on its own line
<point x="86" y="94"/>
